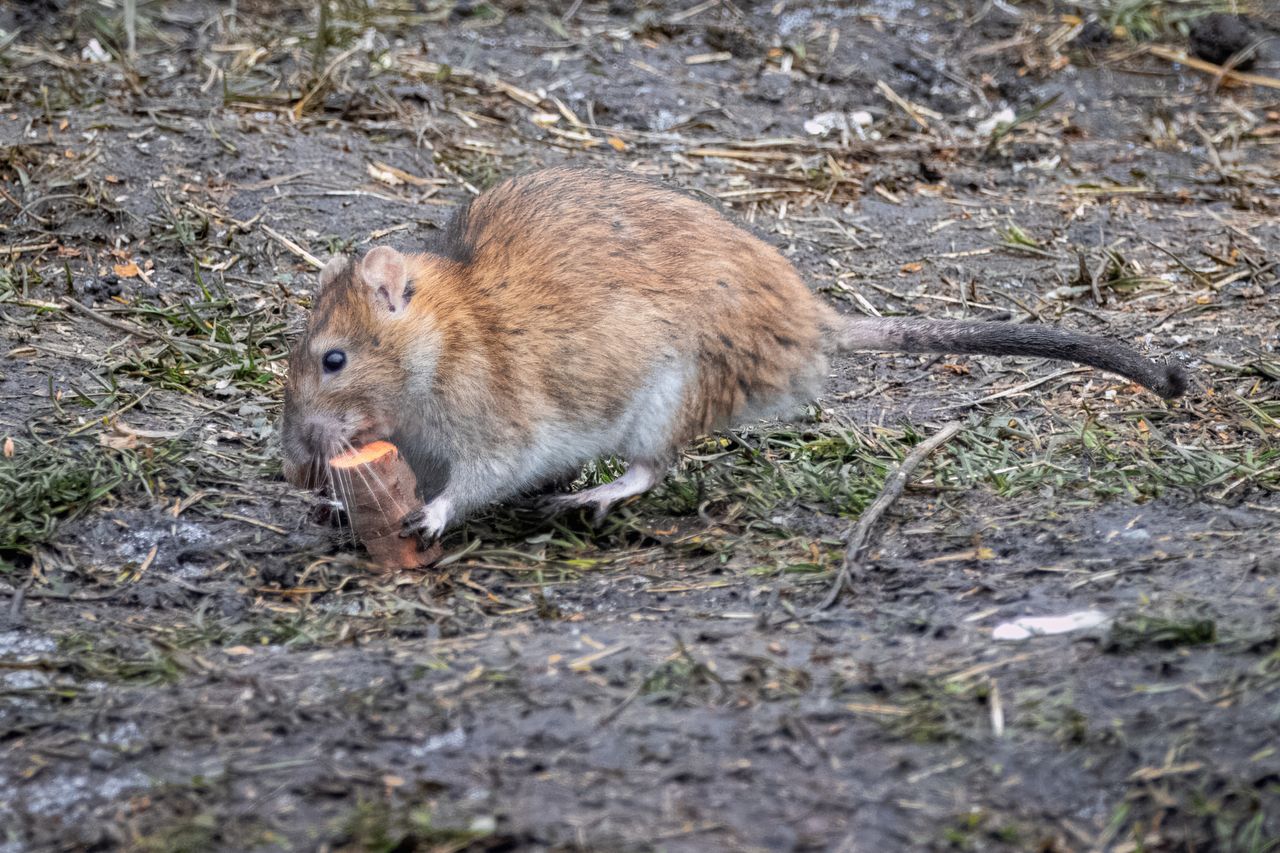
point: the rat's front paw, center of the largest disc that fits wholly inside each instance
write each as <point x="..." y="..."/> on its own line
<point x="430" y="520"/>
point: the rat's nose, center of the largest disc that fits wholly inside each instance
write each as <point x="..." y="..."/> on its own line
<point x="321" y="435"/>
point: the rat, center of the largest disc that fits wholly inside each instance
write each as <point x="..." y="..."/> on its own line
<point x="570" y="314"/>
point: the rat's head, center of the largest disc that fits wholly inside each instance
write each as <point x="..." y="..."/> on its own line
<point x="348" y="373"/>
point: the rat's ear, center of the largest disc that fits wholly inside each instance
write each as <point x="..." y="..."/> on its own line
<point x="386" y="272"/>
<point x="332" y="270"/>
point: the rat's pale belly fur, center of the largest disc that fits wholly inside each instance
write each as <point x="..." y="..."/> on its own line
<point x="556" y="450"/>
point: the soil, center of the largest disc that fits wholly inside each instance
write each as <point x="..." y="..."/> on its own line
<point x="189" y="659"/>
<point x="1218" y="37"/>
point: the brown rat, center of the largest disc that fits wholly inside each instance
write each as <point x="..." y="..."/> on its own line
<point x="570" y="314"/>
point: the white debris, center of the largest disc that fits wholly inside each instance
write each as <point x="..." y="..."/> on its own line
<point x="988" y="126"/>
<point x="824" y="123"/>
<point x="1036" y="626"/>
<point x="93" y="52"/>
<point x="451" y="741"/>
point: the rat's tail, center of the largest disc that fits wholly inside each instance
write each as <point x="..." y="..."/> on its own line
<point x="953" y="336"/>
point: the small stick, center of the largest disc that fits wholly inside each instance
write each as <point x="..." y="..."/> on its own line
<point x="18" y="249"/>
<point x="912" y="110"/>
<point x="293" y="247"/>
<point x="127" y="328"/>
<point x="1018" y="389"/>
<point x="1209" y="68"/>
<point x="131" y="27"/>
<point x="860" y="540"/>
<point x="1195" y="273"/>
<point x="20" y="595"/>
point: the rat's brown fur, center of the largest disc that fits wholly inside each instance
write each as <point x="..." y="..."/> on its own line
<point x="569" y="314"/>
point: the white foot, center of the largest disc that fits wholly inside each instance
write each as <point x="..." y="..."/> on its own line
<point x="639" y="478"/>
<point x="430" y="520"/>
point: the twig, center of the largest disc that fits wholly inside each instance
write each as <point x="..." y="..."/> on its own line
<point x="15" y="606"/>
<point x="62" y="596"/>
<point x="293" y="247"/>
<point x="244" y="519"/>
<point x="695" y="10"/>
<point x="301" y="106"/>
<point x="1195" y="273"/>
<point x="131" y="28"/>
<point x="860" y="540"/>
<point x="1018" y="389"/>
<point x="626" y="702"/>
<point x="1209" y="68"/>
<point x="912" y="110"/>
<point x="15" y="250"/>
<point x="127" y="328"/>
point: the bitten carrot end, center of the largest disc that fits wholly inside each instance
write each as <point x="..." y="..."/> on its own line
<point x="370" y="453"/>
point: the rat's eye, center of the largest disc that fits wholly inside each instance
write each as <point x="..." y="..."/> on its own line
<point x="334" y="360"/>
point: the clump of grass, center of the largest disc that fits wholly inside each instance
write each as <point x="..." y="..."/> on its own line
<point x="771" y="681"/>
<point x="205" y="343"/>
<point x="978" y="830"/>
<point x="935" y="713"/>
<point x="479" y="169"/>
<point x="191" y="345"/>
<point x="762" y="473"/>
<point x="683" y="678"/>
<point x="1115" y="273"/>
<point x="1014" y="237"/>
<point x="185" y="815"/>
<point x="1140" y="464"/>
<point x="742" y="484"/>
<point x="1145" y="20"/>
<point x="380" y="826"/>
<point x="43" y="488"/>
<point x="1215" y="812"/>
<point x="1138" y="631"/>
<point x="89" y="658"/>
<point x="198" y="832"/>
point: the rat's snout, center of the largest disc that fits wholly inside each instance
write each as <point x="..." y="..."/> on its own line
<point x="322" y="435"/>
<point x="308" y="442"/>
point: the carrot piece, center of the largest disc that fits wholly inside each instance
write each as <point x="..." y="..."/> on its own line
<point x="377" y="499"/>
<point x="371" y="452"/>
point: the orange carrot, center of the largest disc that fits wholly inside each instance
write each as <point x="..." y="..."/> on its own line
<point x="377" y="499"/>
<point x="371" y="452"/>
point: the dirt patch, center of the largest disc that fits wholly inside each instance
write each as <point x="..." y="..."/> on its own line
<point x="189" y="661"/>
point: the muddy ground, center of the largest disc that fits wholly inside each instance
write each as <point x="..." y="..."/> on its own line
<point x="188" y="661"/>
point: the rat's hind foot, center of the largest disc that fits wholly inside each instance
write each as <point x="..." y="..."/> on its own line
<point x="639" y="478"/>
